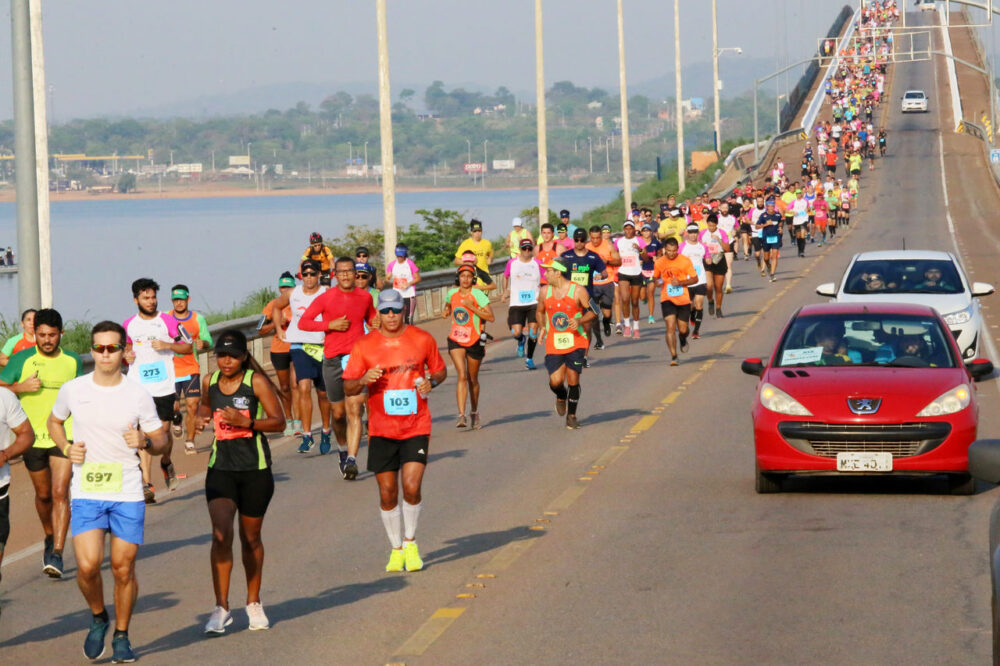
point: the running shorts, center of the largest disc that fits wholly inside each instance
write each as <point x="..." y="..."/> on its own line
<point x="250" y="490"/>
<point x="757" y="243"/>
<point x="698" y="289"/>
<point x="190" y="386"/>
<point x="389" y="455"/>
<point x="125" y="520"/>
<point x="477" y="351"/>
<point x="745" y="228"/>
<point x="333" y="377"/>
<point x="165" y="406"/>
<point x="574" y="360"/>
<point x="36" y="458"/>
<point x="604" y="294"/>
<point x="717" y="269"/>
<point x="306" y="367"/>
<point x="670" y="309"/>
<point x="4" y="516"/>
<point x="281" y="360"/>
<point x="521" y="315"/>
<point x="633" y="280"/>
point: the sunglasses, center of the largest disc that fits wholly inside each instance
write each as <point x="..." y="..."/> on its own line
<point x="310" y="274"/>
<point x="110" y="349"/>
<point x="392" y="310"/>
<point x="362" y="254"/>
<point x="364" y="276"/>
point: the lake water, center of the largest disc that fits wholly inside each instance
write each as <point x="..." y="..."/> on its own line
<point x="224" y="248"/>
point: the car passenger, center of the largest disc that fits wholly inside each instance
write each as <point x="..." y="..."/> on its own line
<point x="829" y="336"/>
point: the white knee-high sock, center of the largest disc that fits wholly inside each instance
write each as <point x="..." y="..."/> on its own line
<point x="392" y="521"/>
<point x="411" y="513"/>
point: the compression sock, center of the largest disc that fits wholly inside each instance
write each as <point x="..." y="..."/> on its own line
<point x="532" y="342"/>
<point x="596" y="330"/>
<point x="411" y="513"/>
<point x="574" y="398"/>
<point x="696" y="316"/>
<point x="683" y="337"/>
<point x="520" y="339"/>
<point x="801" y="244"/>
<point x="392" y="521"/>
<point x="560" y="391"/>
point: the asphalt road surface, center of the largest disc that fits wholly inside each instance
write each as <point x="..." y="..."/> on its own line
<point x="637" y="538"/>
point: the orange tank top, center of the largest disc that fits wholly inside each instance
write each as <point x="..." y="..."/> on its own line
<point x="562" y="319"/>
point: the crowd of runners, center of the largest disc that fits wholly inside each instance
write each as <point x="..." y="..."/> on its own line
<point x="344" y="338"/>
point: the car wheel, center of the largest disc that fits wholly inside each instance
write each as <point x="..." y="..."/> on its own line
<point x="766" y="482"/>
<point x="961" y="484"/>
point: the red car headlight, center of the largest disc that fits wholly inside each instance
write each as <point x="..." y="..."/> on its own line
<point x="776" y="400"/>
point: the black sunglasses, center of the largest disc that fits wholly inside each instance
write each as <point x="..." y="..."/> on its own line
<point x="111" y="349"/>
<point x="392" y="310"/>
<point x="309" y="274"/>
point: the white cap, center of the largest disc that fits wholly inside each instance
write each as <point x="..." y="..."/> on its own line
<point x="516" y="222"/>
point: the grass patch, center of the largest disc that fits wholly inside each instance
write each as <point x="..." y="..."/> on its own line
<point x="252" y="304"/>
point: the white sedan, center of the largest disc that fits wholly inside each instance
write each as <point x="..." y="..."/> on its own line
<point x="917" y="276"/>
<point x="914" y="100"/>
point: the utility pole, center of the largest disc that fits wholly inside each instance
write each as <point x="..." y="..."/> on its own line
<point x="385" y="131"/>
<point x="29" y="289"/>
<point x="715" y="76"/>
<point x="590" y="149"/>
<point x="680" y="111"/>
<point x="623" y="92"/>
<point x="485" y="162"/>
<point x="543" y="158"/>
<point x="41" y="153"/>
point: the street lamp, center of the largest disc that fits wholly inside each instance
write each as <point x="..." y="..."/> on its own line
<point x="777" y="113"/>
<point x="469" y="146"/>
<point x="590" y="148"/>
<point x="680" y="112"/>
<point x="483" y="178"/>
<point x="716" y="84"/>
<point x="350" y="153"/>
<point x="366" y="159"/>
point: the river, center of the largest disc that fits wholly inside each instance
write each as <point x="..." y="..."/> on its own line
<point x="224" y="248"/>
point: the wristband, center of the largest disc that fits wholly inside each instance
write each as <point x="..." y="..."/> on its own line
<point x="68" y="447"/>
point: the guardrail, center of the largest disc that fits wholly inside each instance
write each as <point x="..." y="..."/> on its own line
<point x="812" y="111"/>
<point x="956" y="100"/>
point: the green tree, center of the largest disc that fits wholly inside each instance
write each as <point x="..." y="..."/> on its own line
<point x="432" y="244"/>
<point x="356" y="237"/>
<point x="126" y="183"/>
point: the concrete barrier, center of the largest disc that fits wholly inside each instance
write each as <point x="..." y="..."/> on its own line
<point x="956" y="100"/>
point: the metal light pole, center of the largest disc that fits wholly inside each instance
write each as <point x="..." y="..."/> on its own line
<point x="590" y="149"/>
<point x="716" y="83"/>
<point x="41" y="153"/>
<point x="385" y="130"/>
<point x="623" y="91"/>
<point x="482" y="180"/>
<point x="680" y="113"/>
<point x="366" y="159"/>
<point x="777" y="113"/>
<point x="543" y="158"/>
<point x="29" y="289"/>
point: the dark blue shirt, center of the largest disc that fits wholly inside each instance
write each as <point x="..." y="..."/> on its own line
<point x="652" y="248"/>
<point x="588" y="264"/>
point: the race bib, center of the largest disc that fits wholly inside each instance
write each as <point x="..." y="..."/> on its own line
<point x="580" y="278"/>
<point x="461" y="334"/>
<point x="399" y="283"/>
<point x="562" y="340"/>
<point x="714" y="248"/>
<point x="101" y="477"/>
<point x="771" y="239"/>
<point x="400" y="402"/>
<point x="225" y="431"/>
<point x="314" y="351"/>
<point x="674" y="292"/>
<point x="526" y="295"/>
<point x="629" y="261"/>
<point x="152" y="373"/>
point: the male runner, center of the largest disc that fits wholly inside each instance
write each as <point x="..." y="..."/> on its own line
<point x="632" y="250"/>
<point x="306" y="351"/>
<point x="187" y="373"/>
<point x="585" y="266"/>
<point x="479" y="246"/>
<point x="399" y="364"/>
<point x="604" y="286"/>
<point x="564" y="313"/>
<point x="341" y="313"/>
<point x="14" y="421"/>
<point x="35" y="375"/>
<point x="769" y="225"/>
<point x="321" y="254"/>
<point x="281" y="359"/>
<point x="517" y="234"/>
<point x="151" y="340"/>
<point x="675" y="273"/>
<point x="692" y="248"/>
<point x="523" y="275"/>
<point x="113" y="417"/>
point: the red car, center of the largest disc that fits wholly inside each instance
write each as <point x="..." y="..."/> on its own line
<point x="865" y="388"/>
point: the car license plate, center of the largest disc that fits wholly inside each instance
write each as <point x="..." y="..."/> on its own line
<point x="864" y="462"/>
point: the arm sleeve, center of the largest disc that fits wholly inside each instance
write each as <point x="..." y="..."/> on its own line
<point x="203" y="332"/>
<point x="484" y="276"/>
<point x="600" y="266"/>
<point x="125" y="324"/>
<point x="171" y="323"/>
<point x="541" y="271"/>
<point x="413" y="267"/>
<point x="481" y="297"/>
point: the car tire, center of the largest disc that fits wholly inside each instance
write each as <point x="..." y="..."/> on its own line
<point x="961" y="484"/>
<point x="766" y="482"/>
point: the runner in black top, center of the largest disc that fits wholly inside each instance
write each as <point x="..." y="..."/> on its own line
<point x="583" y="265"/>
<point x="243" y="404"/>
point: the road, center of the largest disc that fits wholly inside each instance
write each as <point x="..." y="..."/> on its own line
<point x="649" y="543"/>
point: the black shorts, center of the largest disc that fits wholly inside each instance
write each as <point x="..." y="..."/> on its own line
<point x="4" y="516"/>
<point x="165" y="406"/>
<point x="604" y="295"/>
<point x="756" y="241"/>
<point x="307" y="367"/>
<point x="574" y="361"/>
<point x="333" y="377"/>
<point x="745" y="228"/>
<point x="36" y="458"/>
<point x="389" y="455"/>
<point x="670" y="309"/>
<point x="522" y="315"/>
<point x="190" y="387"/>
<point x="719" y="268"/>
<point x="281" y="360"/>
<point x="250" y="490"/>
<point x="477" y="351"/>
<point x="698" y="289"/>
<point x="855" y="172"/>
<point x="633" y="280"/>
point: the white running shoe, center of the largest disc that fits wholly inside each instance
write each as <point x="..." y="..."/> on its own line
<point x="258" y="620"/>
<point x="218" y="621"/>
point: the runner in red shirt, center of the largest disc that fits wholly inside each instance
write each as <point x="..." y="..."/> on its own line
<point x="343" y="312"/>
<point x="394" y="362"/>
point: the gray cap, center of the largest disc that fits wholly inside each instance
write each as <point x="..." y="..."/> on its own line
<point x="390" y="298"/>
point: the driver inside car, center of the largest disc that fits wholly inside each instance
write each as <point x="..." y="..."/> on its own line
<point x="829" y="336"/>
<point x="932" y="281"/>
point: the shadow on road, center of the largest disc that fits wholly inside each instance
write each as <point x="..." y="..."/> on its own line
<point x="474" y="544"/>
<point x="511" y="418"/>
<point x="604" y="417"/>
<point x="454" y="453"/>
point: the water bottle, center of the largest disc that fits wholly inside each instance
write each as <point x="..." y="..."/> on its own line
<point x="417" y="383"/>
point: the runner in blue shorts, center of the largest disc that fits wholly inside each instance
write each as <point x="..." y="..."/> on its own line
<point x="769" y="224"/>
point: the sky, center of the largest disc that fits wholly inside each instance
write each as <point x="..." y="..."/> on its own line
<point x="115" y="56"/>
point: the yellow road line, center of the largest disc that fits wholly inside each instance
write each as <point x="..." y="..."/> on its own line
<point x="645" y="423"/>
<point x="429" y="632"/>
<point x="509" y="554"/>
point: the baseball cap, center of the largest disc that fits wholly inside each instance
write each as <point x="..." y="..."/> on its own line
<point x="580" y="235"/>
<point x="562" y="227"/>
<point x="364" y="267"/>
<point x="517" y="222"/>
<point x="629" y="223"/>
<point x="605" y="227"/>
<point x="556" y="265"/>
<point x="476" y="225"/>
<point x="286" y="280"/>
<point x="675" y="213"/>
<point x="231" y="343"/>
<point x="466" y="267"/>
<point x="390" y="298"/>
<point x="469" y="255"/>
<point x="362" y="250"/>
<point x="646" y="226"/>
<point x="179" y="293"/>
<point x="526" y="244"/>
<point x="691" y="227"/>
<point x="309" y="263"/>
<point x="401" y="250"/>
<point x="564" y="213"/>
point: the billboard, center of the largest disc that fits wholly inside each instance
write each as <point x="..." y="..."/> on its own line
<point x="474" y="167"/>
<point x="239" y="160"/>
<point x="503" y="165"/>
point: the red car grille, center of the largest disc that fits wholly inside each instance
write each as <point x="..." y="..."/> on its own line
<point x="899" y="439"/>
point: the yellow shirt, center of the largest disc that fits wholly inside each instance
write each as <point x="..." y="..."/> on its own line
<point x="672" y="227"/>
<point x="481" y="249"/>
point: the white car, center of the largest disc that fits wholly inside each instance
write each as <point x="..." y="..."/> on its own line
<point x="917" y="276"/>
<point x="914" y="100"/>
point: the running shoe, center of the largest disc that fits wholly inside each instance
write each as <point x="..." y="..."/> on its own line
<point x="122" y="650"/>
<point x="560" y="407"/>
<point x="571" y="422"/>
<point x="607" y="328"/>
<point x="763" y="272"/>
<point x="635" y="333"/>
<point x="342" y="454"/>
<point x="673" y="360"/>
<point x="396" y="560"/>
<point x="350" y="469"/>
<point x="619" y="329"/>
<point x="411" y="555"/>
<point x="47" y="552"/>
<point x="461" y="423"/>
<point x="170" y="476"/>
<point x="324" y="443"/>
<point x="258" y="620"/>
<point x="718" y="314"/>
<point x="729" y="290"/>
<point x="530" y="364"/>
<point x="177" y="427"/>
<point x="695" y="336"/>
<point x="711" y="308"/>
<point x="586" y="362"/>
<point x="189" y="448"/>
<point x="93" y="645"/>
<point x="476" y="422"/>
<point x="599" y="347"/>
<point x="218" y="621"/>
<point x="520" y="349"/>
<point x="774" y="279"/>
<point x="652" y="319"/>
<point x="684" y="345"/>
<point x="297" y="426"/>
<point x="149" y="494"/>
<point x="307" y="444"/>
<point x="53" y="565"/>
<point x="289" y="428"/>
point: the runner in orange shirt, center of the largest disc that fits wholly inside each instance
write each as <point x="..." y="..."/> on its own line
<point x="674" y="273"/>
<point x="281" y="357"/>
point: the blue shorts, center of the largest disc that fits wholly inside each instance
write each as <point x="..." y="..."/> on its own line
<point x="125" y="520"/>
<point x="306" y="367"/>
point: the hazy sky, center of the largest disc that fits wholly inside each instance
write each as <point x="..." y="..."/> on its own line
<point x="118" y="55"/>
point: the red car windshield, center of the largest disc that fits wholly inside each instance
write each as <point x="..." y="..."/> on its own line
<point x="866" y="339"/>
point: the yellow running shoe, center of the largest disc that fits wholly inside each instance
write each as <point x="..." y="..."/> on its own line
<point x="413" y="561"/>
<point x="396" y="558"/>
